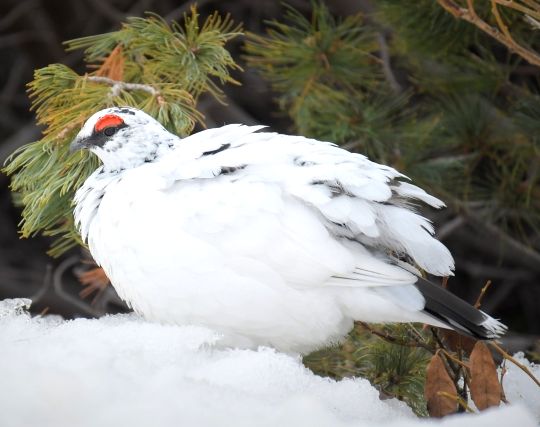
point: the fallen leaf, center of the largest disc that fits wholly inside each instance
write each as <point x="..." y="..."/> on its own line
<point x="485" y="386"/>
<point x="94" y="280"/>
<point x="438" y="381"/>
<point x="456" y="341"/>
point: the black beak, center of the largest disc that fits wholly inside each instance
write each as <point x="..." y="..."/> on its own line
<point x="78" y="144"/>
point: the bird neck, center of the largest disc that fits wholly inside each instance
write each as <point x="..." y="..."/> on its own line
<point x="119" y="157"/>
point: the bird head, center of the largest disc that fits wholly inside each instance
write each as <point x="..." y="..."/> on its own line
<point x="123" y="138"/>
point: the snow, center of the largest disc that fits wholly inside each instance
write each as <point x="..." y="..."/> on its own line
<point x="122" y="370"/>
<point x="520" y="388"/>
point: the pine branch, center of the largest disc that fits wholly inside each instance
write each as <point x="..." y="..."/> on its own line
<point x="321" y="61"/>
<point x="117" y="86"/>
<point x="126" y="72"/>
<point x="501" y="34"/>
<point x="387" y="68"/>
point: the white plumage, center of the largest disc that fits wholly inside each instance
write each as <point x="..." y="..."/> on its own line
<point x="269" y="239"/>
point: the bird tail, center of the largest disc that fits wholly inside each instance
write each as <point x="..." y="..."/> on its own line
<point x="458" y="314"/>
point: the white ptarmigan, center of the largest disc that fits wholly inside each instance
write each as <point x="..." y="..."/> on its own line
<point x="268" y="239"/>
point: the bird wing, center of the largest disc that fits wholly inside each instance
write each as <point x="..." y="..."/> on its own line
<point x="365" y="205"/>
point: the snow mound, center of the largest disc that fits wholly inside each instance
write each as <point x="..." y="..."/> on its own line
<point x="121" y="370"/>
<point x="518" y="387"/>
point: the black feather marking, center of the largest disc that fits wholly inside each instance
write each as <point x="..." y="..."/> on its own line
<point x="222" y="148"/>
<point x="452" y="310"/>
<point x="339" y="230"/>
<point x="298" y="161"/>
<point x="227" y="170"/>
<point x="124" y="111"/>
<point x="151" y="157"/>
<point x="336" y="187"/>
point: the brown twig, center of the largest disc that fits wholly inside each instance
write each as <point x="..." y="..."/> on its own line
<point x="453" y="358"/>
<point x="453" y="367"/>
<point x="456" y="367"/>
<point x="417" y="336"/>
<point x="460" y="401"/>
<point x="478" y="302"/>
<point x="44" y="311"/>
<point x="532" y="22"/>
<point x="394" y="340"/>
<point x="468" y="14"/>
<point x="503" y="373"/>
<point x="386" y="65"/>
<point x="444" y="283"/>
<point x="504" y="354"/>
<point x="532" y="10"/>
<point x="500" y="22"/>
<point x="462" y="371"/>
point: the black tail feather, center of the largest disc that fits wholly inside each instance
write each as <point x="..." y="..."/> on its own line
<point x="458" y="314"/>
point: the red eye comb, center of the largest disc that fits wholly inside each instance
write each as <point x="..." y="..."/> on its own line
<point x="107" y="121"/>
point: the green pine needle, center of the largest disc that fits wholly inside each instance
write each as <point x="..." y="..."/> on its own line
<point x="45" y="175"/>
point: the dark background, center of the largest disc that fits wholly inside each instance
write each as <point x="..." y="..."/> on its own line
<point x="31" y="35"/>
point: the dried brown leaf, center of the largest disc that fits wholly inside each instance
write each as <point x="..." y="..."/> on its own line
<point x="456" y="341"/>
<point x="113" y="66"/>
<point x="440" y="391"/>
<point x="485" y="386"/>
<point x="94" y="280"/>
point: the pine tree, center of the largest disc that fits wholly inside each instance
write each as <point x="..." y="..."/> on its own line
<point x="125" y="71"/>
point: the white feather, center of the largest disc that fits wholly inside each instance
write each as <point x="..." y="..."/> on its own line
<point x="409" y="233"/>
<point x="406" y="189"/>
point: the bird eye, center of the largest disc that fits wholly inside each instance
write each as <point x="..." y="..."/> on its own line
<point x="109" y="131"/>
